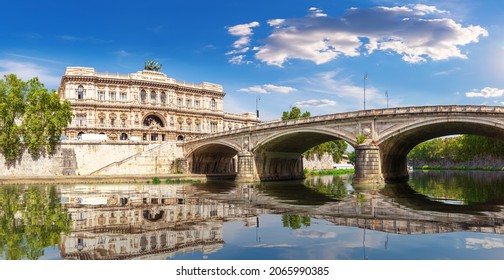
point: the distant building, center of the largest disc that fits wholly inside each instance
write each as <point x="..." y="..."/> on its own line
<point x="146" y="105"/>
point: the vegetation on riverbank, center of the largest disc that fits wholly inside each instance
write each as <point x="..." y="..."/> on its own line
<point x="32" y="118"/>
<point x="157" y="181"/>
<point x="328" y="172"/>
<point x="460" y="168"/>
<point x="465" y="152"/>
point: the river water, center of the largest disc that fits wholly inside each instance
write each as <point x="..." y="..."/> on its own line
<point x="436" y="215"/>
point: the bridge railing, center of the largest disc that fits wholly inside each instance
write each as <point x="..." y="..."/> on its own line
<point x="365" y="114"/>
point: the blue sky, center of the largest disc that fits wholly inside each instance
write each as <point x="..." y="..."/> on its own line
<point x="307" y="53"/>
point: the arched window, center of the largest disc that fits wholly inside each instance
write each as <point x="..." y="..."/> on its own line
<point x="152" y="120"/>
<point x="212" y="104"/>
<point x="124" y="136"/>
<point x="163" y="98"/>
<point x="153" y="97"/>
<point x="143" y="96"/>
<point x="180" y="138"/>
<point x="80" y="92"/>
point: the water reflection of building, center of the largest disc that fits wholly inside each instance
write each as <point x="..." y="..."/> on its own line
<point x="142" y="222"/>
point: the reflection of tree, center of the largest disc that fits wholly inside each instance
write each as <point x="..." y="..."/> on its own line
<point x="30" y="220"/>
<point x="295" y="221"/>
<point x="470" y="187"/>
<point x="334" y="188"/>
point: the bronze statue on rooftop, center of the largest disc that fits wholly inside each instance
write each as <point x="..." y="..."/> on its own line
<point x="152" y="65"/>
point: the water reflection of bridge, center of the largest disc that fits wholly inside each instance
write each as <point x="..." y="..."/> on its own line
<point x="413" y="214"/>
<point x="147" y="222"/>
<point x="140" y="222"/>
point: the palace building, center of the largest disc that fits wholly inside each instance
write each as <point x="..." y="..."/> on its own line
<point x="146" y="105"/>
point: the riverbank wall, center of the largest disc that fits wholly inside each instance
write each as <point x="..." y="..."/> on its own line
<point x="116" y="160"/>
<point x="92" y="158"/>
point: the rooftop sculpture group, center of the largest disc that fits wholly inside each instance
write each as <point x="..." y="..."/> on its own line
<point x="152" y="65"/>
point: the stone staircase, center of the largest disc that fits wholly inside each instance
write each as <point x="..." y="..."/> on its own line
<point x="157" y="160"/>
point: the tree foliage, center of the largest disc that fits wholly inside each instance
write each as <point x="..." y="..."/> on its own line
<point x="30" y="117"/>
<point x="31" y="220"/>
<point x="335" y="148"/>
<point x="458" y="149"/>
<point x="295" y="113"/>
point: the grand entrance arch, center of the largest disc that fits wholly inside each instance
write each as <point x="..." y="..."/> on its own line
<point x="154" y="125"/>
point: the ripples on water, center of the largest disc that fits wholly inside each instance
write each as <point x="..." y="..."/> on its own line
<point x="437" y="215"/>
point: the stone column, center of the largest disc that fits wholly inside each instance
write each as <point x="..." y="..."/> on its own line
<point x="246" y="168"/>
<point x="367" y="165"/>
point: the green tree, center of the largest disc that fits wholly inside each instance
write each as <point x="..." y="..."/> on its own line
<point x="295" y="221"/>
<point x="12" y="93"/>
<point x="45" y="118"/>
<point x="31" y="219"/>
<point x="335" y="148"/>
<point x="458" y="149"/>
<point x="30" y="117"/>
<point x="295" y="113"/>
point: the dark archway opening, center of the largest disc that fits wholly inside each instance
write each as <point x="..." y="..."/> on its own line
<point x="394" y="150"/>
<point x="214" y="159"/>
<point x="282" y="158"/>
<point x="153" y="120"/>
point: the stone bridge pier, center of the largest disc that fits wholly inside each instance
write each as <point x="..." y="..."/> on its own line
<point x="367" y="165"/>
<point x="246" y="168"/>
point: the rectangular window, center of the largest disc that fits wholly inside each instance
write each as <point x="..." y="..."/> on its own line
<point x="112" y="96"/>
<point x="101" y="95"/>
<point x="124" y="96"/>
<point x="213" y="127"/>
<point x="196" y="104"/>
<point x="179" y="102"/>
<point x="188" y="103"/>
<point x="80" y="120"/>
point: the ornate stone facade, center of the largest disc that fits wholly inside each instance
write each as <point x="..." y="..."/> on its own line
<point x="146" y="105"/>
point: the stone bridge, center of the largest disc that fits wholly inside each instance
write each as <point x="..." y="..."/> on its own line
<point x="382" y="139"/>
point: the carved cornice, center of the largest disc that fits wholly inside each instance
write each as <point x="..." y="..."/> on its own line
<point x="141" y="83"/>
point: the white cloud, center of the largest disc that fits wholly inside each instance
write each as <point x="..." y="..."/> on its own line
<point x="280" y="89"/>
<point x="341" y="89"/>
<point x="268" y="88"/>
<point x="315" y="103"/>
<point x="254" y="89"/>
<point x="416" y="32"/>
<point x="486" y="92"/>
<point x="314" y="234"/>
<point x="275" y="22"/>
<point x="239" y="59"/>
<point x="28" y="70"/>
<point x="237" y="51"/>
<point x="244" y="31"/>
<point x="316" y="12"/>
<point x="485" y="243"/>
<point x="422" y="9"/>
<point x="122" y="53"/>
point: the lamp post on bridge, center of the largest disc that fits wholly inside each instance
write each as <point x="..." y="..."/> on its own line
<point x="257" y="106"/>
<point x="365" y="78"/>
<point x="386" y="94"/>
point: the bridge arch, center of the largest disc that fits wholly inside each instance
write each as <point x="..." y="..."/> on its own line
<point x="218" y="157"/>
<point x="279" y="155"/>
<point x="395" y="143"/>
<point x="314" y="136"/>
